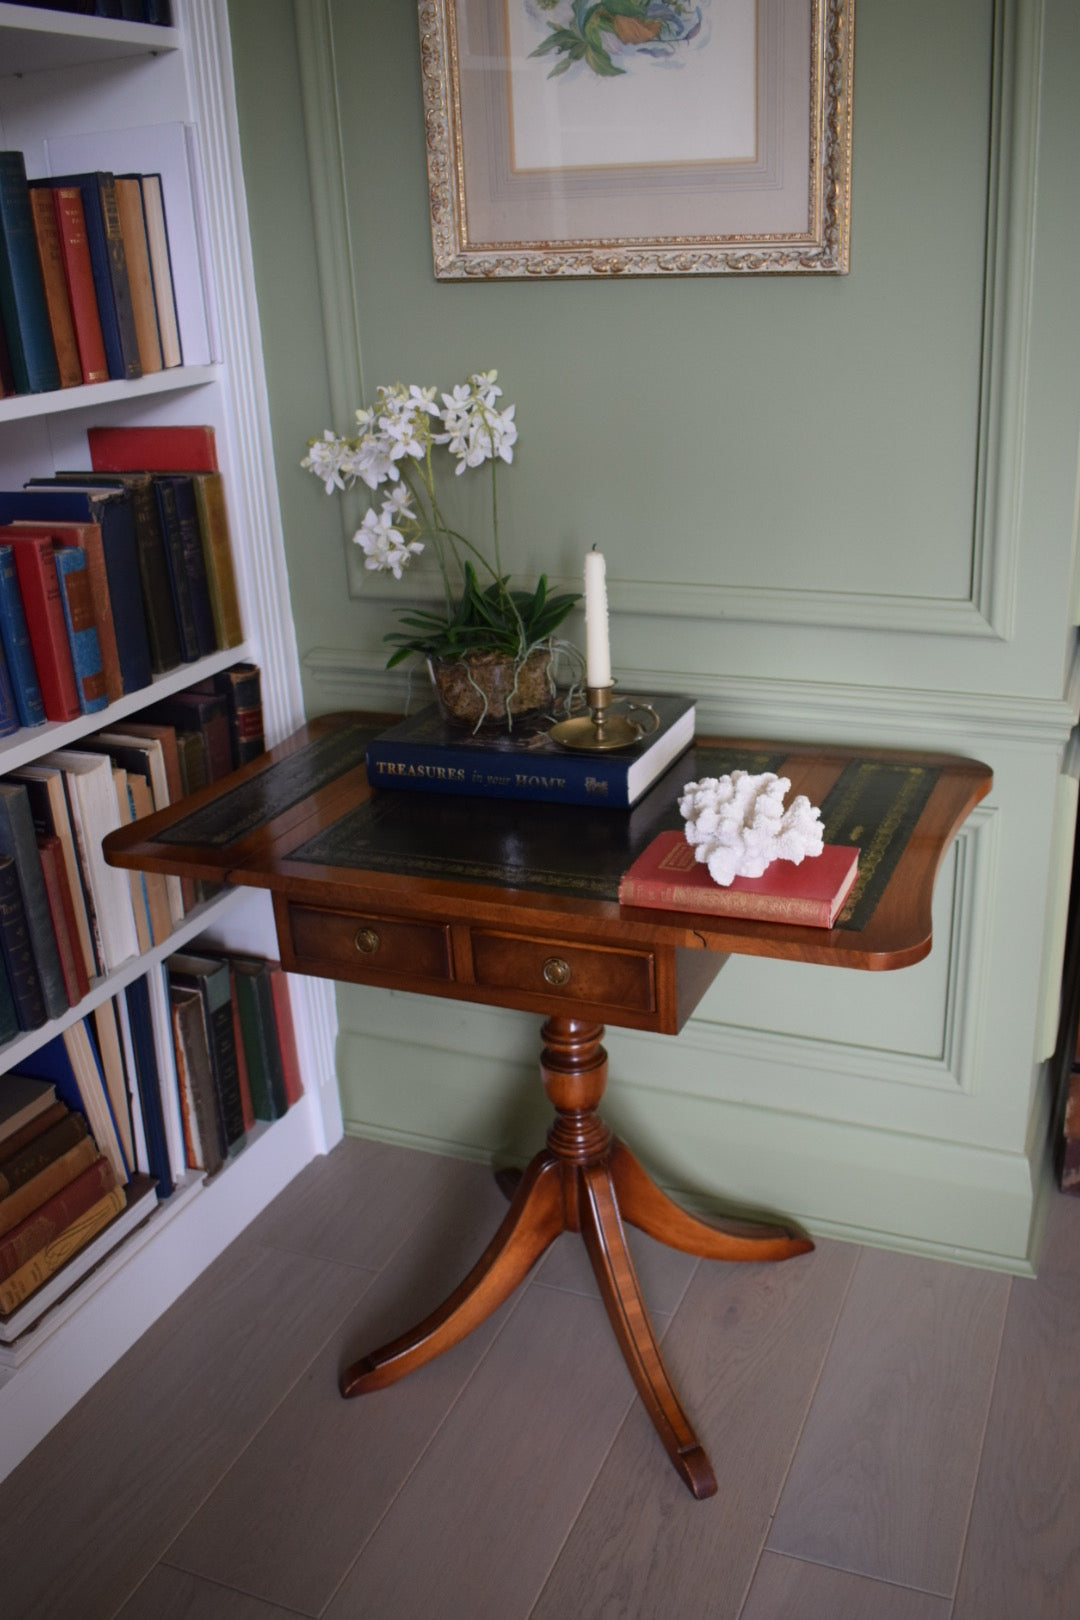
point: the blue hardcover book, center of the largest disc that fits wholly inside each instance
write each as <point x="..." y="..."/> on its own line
<point x="25" y="313"/>
<point x="17" y="951"/>
<point x="81" y="629"/>
<point x="9" y="714"/>
<point x="110" y="509"/>
<point x="109" y="265"/>
<point x="17" y="650"/>
<point x="141" y="1022"/>
<point x="19" y="840"/>
<point x="423" y="754"/>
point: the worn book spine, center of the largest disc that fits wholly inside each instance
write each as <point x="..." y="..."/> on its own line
<point x="57" y="298"/>
<point x="140" y="1019"/>
<point x="19" y="840"/>
<point x="64" y="1247"/>
<point x="39" y="587"/>
<point x="286" y="1029"/>
<point x="217" y="549"/>
<point x="18" y="951"/>
<point x="13" y="1144"/>
<point x="157" y="238"/>
<point x="9" y="1018"/>
<point x="89" y="537"/>
<point x="211" y="980"/>
<point x="79" y="274"/>
<point x="206" y="713"/>
<point x="129" y="206"/>
<point x="9" y="714"/>
<point x="179" y="579"/>
<point x="204" y="1136"/>
<point x="50" y="1145"/>
<point x="62" y="913"/>
<point x="158" y="604"/>
<point x="106" y="243"/>
<point x="258" y="1027"/>
<point x="180" y="448"/>
<point x="23" y="309"/>
<point x="45" y="1224"/>
<point x="40" y="1188"/>
<point x="180" y="494"/>
<point x="78" y="604"/>
<point x="17" y="649"/>
<point x="241" y="687"/>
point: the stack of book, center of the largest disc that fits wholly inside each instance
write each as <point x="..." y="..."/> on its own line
<point x="65" y="1180"/>
<point x="423" y="754"/>
<point x="66" y="917"/>
<point x="112" y="575"/>
<point x="235" y="1049"/>
<point x="168" y="1077"/>
<point x="86" y="283"/>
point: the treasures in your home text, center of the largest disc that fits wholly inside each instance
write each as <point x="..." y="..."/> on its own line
<point x="517" y="779"/>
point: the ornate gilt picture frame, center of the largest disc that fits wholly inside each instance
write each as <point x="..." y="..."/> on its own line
<point x="571" y="138"/>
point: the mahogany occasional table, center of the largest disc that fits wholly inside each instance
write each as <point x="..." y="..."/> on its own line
<point x="514" y="904"/>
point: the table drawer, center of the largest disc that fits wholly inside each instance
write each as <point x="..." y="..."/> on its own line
<point x="356" y="942"/>
<point x="582" y="973"/>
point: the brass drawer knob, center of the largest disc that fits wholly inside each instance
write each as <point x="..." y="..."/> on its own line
<point x="557" y="970"/>
<point x="367" y="941"/>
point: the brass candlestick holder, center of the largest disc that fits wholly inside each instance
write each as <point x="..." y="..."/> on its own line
<point x="603" y="730"/>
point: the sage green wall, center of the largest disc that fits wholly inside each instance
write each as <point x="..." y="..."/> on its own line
<point x="835" y="507"/>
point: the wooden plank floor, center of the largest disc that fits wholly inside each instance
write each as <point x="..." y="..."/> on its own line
<point x="895" y="1438"/>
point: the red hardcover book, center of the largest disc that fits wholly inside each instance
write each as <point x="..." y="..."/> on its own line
<point x="55" y="1215"/>
<point x="78" y="271"/>
<point x="39" y="587"/>
<point x="62" y="912"/>
<point x="152" y="449"/>
<point x="88" y="536"/>
<point x="668" y="878"/>
<point x="283" y="1015"/>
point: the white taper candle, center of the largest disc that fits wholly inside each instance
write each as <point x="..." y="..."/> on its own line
<point x="597" y="643"/>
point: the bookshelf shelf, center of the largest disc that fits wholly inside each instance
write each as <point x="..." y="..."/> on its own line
<point x="92" y="395"/>
<point x="24" y="746"/>
<point x="64" y="77"/>
<point x="41" y="41"/>
<point x="197" y="921"/>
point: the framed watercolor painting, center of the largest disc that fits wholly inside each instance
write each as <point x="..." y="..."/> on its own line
<point x="637" y="137"/>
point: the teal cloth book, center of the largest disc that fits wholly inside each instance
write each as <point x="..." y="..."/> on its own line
<point x="15" y="634"/>
<point x="9" y="714"/>
<point x="25" y="313"/>
<point x="82" y="630"/>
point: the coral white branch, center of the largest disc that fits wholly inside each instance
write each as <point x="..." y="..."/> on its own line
<point x="738" y="826"/>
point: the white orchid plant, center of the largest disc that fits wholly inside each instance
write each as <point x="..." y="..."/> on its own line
<point x="394" y="446"/>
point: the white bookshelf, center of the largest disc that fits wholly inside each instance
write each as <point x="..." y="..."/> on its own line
<point x="63" y="75"/>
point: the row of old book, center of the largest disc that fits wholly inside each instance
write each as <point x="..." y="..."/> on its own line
<point x="86" y="283"/>
<point x="112" y="575"/>
<point x="167" y="1077"/>
<point x="66" y="917"/>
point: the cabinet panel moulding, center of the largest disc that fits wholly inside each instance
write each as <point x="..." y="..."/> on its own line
<point x="988" y="612"/>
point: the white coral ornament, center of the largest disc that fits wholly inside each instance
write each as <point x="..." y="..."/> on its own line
<point x="738" y="826"/>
